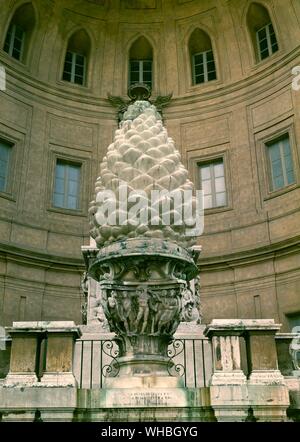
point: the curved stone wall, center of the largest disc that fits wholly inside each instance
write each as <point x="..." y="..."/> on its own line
<point x="250" y="260"/>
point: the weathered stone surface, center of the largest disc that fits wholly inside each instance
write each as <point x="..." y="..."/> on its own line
<point x="26" y="349"/>
<point x="60" y="355"/>
<point x="283" y="344"/>
<point x="232" y="403"/>
<point x="144" y="296"/>
<point x="5" y="355"/>
<point x="263" y="352"/>
<point x="58" y="403"/>
<point x="143" y="270"/>
<point x="68" y="404"/>
<point x="232" y="394"/>
<point x="142" y="158"/>
<point x="22" y="369"/>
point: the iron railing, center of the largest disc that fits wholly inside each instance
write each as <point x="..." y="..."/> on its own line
<point x="190" y="359"/>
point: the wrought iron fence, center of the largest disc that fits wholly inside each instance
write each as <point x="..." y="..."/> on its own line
<point x="190" y="359"/>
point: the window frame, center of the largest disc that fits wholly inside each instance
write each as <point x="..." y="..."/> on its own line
<point x="268" y="172"/>
<point x="205" y="70"/>
<point x="211" y="164"/>
<point x="204" y="154"/>
<point x="278" y="140"/>
<point x="270" y="49"/>
<point x="264" y="174"/>
<point x="141" y="71"/>
<point x="31" y="32"/>
<point x="66" y="179"/>
<point x="10" y="169"/>
<point x="73" y="68"/>
<point x="83" y="185"/>
<point x="10" y="51"/>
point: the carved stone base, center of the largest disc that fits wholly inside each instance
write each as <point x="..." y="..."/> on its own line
<point x="27" y="416"/>
<point x="236" y="377"/>
<point x="144" y="296"/>
<point x="266" y="377"/>
<point x="270" y="414"/>
<point x="15" y="379"/>
<point x="231" y="414"/>
<point x="269" y="402"/>
<point x="129" y="382"/>
<point x="230" y="402"/>
<point x="58" y="379"/>
<point x="144" y="397"/>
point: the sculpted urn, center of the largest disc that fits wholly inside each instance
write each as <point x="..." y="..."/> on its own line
<point x="143" y="219"/>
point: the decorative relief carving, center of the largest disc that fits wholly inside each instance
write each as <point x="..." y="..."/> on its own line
<point x="142" y="311"/>
<point x="84" y="304"/>
<point x="189" y="310"/>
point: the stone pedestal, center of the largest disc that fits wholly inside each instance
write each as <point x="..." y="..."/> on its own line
<point x="24" y="357"/>
<point x="38" y="403"/>
<point x="262" y="353"/>
<point x="226" y="353"/>
<point x="143" y="285"/>
<point x="59" y="355"/>
<point x="228" y="390"/>
<point x="230" y="402"/>
<point x="285" y="343"/>
<point x="268" y="402"/>
<point x="233" y="396"/>
<point x="27" y="353"/>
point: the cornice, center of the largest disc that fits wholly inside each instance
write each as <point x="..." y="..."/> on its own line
<point x="251" y="256"/>
<point x="90" y="105"/>
<point x="34" y="257"/>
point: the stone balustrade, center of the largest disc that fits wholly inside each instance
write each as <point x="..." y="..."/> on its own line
<point x="262" y="389"/>
<point x="41" y="372"/>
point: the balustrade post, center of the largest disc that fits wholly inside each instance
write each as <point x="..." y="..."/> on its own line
<point x="61" y="337"/>
<point x="268" y="391"/>
<point x="24" y="358"/>
<point x="233" y="396"/>
<point x="261" y="352"/>
<point x="225" y="337"/>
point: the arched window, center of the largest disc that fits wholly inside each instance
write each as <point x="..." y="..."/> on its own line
<point x="202" y="57"/>
<point x="140" y="62"/>
<point x="262" y="31"/>
<point x="19" y="32"/>
<point x="76" y="59"/>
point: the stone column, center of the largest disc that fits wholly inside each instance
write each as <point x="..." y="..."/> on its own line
<point x="24" y="359"/>
<point x="59" y="354"/>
